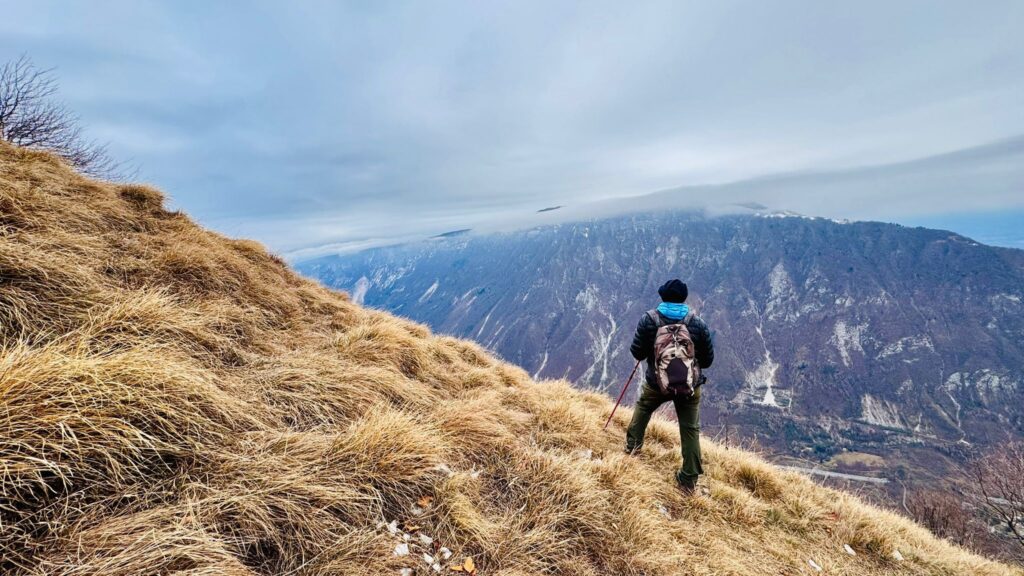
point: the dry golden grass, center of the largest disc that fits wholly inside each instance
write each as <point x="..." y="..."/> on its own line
<point x="859" y="459"/>
<point x="174" y="401"/>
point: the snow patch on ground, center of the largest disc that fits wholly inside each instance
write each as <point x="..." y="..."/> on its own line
<point x="762" y="383"/>
<point x="817" y="282"/>
<point x="1008" y="297"/>
<point x="880" y="412"/>
<point x="430" y="292"/>
<point x="588" y="298"/>
<point x="781" y="292"/>
<point x="791" y="214"/>
<point x="881" y="299"/>
<point x="671" y="252"/>
<point x="847" y="339"/>
<point x="809" y="308"/>
<point x="907" y="344"/>
<point x="360" y="289"/>
<point x="526" y="295"/>
<point x="779" y="281"/>
<point x="462" y="303"/>
<point x="601" y="349"/>
<point x="765" y="374"/>
<point x="543" y="363"/>
<point x="385" y="277"/>
<point x="954" y="383"/>
<point x="484" y="323"/>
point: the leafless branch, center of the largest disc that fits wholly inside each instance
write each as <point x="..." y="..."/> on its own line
<point x="944" y="513"/>
<point x="1000" y="478"/>
<point x="31" y="117"/>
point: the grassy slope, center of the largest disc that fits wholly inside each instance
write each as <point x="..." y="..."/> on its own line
<point x="173" y="400"/>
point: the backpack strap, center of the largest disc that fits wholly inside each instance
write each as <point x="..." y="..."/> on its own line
<point x="659" y="320"/>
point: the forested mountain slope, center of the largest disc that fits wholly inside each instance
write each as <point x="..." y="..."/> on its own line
<point x="829" y="335"/>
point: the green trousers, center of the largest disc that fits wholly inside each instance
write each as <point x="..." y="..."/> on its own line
<point x="688" y="414"/>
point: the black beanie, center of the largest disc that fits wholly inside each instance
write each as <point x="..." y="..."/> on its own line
<point x="673" y="291"/>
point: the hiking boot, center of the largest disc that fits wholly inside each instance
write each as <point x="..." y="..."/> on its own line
<point x="687" y="485"/>
<point x="632" y="451"/>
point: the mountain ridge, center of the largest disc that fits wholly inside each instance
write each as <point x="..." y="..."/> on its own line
<point x="988" y="176"/>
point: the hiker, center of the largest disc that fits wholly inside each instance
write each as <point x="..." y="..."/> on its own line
<point x="677" y="346"/>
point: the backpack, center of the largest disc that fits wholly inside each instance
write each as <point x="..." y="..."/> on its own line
<point x="676" y="370"/>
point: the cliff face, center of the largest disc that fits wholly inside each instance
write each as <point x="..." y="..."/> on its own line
<point x="176" y="401"/>
<point x="829" y="335"/>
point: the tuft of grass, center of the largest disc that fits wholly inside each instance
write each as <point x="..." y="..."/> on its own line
<point x="173" y="401"/>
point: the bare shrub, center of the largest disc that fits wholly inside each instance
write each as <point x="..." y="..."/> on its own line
<point x="943" y="512"/>
<point x="30" y="116"/>
<point x="1000" y="479"/>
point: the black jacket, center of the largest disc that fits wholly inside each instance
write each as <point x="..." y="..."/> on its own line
<point x="642" y="347"/>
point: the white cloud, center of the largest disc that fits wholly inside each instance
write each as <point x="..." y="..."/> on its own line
<point x="322" y="122"/>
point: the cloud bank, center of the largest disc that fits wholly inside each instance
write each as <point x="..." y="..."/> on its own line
<point x="318" y="122"/>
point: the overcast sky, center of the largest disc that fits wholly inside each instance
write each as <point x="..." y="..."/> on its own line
<point x="303" y="123"/>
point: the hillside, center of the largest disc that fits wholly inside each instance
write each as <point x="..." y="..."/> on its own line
<point x="830" y="335"/>
<point x="178" y="402"/>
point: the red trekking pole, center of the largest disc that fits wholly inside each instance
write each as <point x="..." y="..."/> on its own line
<point x="621" y="394"/>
